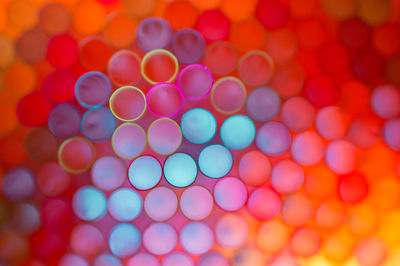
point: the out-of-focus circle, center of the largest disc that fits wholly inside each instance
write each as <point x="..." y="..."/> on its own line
<point x="31" y="45"/>
<point x="264" y="203"/>
<point x="143" y="258"/>
<point x="386" y="39"/>
<point x="196" y="238"/>
<point x="221" y="58"/>
<point x="124" y="204"/>
<point x="311" y="34"/>
<point x="58" y="86"/>
<point x="364" y="132"/>
<point x="41" y="145"/>
<point x="62" y="50"/>
<point x="181" y="14"/>
<point x="297" y="210"/>
<point x="98" y="124"/>
<point x="385" y="101"/>
<point x="164" y="99"/>
<point x="93" y="89"/>
<point x="255" y="68"/>
<point x="330" y="214"/>
<point x="307" y="148"/>
<point x="272" y="14"/>
<point x="128" y="140"/>
<point x="272" y="236"/>
<point x="196" y="203"/>
<point x="128" y="103"/>
<point x="287" y="177"/>
<point x="124" y="67"/>
<point x="195" y="81"/>
<point x="321" y="182"/>
<point x="160" y="203"/>
<point x="213" y="25"/>
<point x="164" y="136"/>
<point x="215" y="161"/>
<point x="371" y="251"/>
<point x="238" y="132"/>
<point x="230" y="194"/>
<point x="188" y="46"/>
<point x="288" y="80"/>
<point x="25" y="218"/>
<point x="89" y="203"/>
<point x="340" y="156"/>
<point x="76" y="155"/>
<point x="177" y="258"/>
<point x="198" y="125"/>
<point x="160" y="238"/>
<point x="13" y="152"/>
<point x="159" y="65"/>
<point x="391" y="134"/>
<point x="373" y="12"/>
<point x="353" y="188"/>
<point x="247" y="35"/>
<point x="228" y="95"/>
<point x="153" y="33"/>
<point x="231" y="231"/>
<point x="305" y="242"/>
<point x="52" y="180"/>
<point x="369" y="67"/>
<point x="120" y="29"/>
<point x="94" y="52"/>
<point x="21" y="79"/>
<point x="321" y="90"/>
<point x="330" y="123"/>
<point x="213" y="258"/>
<point x="145" y="172"/>
<point x="88" y="17"/>
<point x="334" y="59"/>
<point x="124" y="240"/>
<point x="263" y="104"/>
<point x="33" y="109"/>
<point x="87" y="240"/>
<point x="354" y="33"/>
<point x="273" y="138"/>
<point x="108" y="173"/>
<point x="293" y="118"/>
<point x="64" y="121"/>
<point x="254" y="168"/>
<point x="56" y="213"/>
<point x="54" y="18"/>
<point x="180" y="170"/>
<point x="281" y="45"/>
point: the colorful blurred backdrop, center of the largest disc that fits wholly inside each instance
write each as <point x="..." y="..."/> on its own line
<point x="200" y="132"/>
